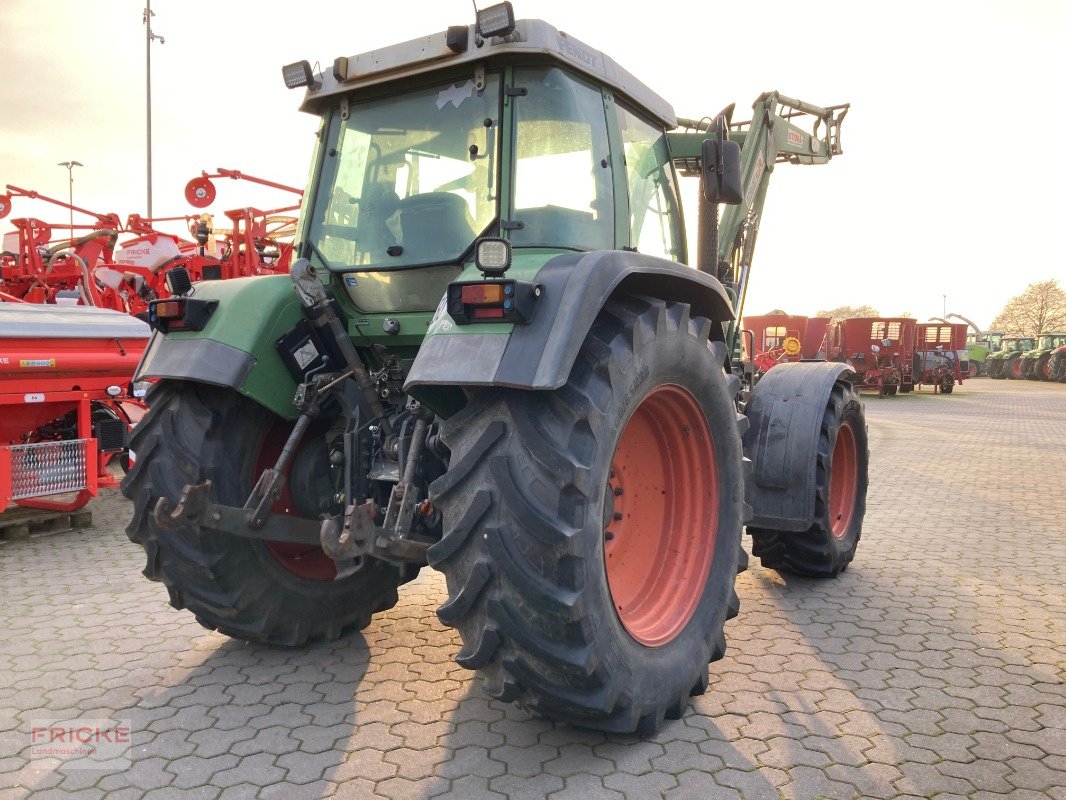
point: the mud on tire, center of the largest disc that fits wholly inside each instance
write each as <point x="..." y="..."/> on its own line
<point x="232" y="584"/>
<point x="821" y="551"/>
<point x="525" y="505"/>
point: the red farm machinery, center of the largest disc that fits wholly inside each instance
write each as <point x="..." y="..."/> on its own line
<point x="65" y="401"/>
<point x="776" y="338"/>
<point x="880" y="350"/>
<point x="68" y="354"/>
<point x="88" y="269"/>
<point x="941" y="359"/>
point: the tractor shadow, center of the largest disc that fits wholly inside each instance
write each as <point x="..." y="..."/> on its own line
<point x="900" y="661"/>
<point x="228" y="712"/>
<point x="494" y="746"/>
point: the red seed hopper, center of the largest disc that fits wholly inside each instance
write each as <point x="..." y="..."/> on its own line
<point x="64" y="400"/>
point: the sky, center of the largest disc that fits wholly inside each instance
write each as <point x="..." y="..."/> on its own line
<point x="948" y="186"/>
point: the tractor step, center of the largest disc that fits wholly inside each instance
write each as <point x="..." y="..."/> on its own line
<point x="21" y="523"/>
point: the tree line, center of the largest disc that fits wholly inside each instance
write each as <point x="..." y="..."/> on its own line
<point x="1041" y="308"/>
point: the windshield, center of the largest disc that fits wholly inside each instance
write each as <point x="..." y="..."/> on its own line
<point x="408" y="179"/>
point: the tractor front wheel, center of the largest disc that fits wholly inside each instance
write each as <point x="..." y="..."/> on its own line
<point x="270" y="592"/>
<point x="843" y="462"/>
<point x="592" y="533"/>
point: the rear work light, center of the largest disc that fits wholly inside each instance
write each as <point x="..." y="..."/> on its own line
<point x="493" y="301"/>
<point x="180" y="314"/>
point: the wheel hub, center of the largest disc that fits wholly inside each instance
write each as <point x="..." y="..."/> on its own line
<point x="660" y="515"/>
<point x="843" y="481"/>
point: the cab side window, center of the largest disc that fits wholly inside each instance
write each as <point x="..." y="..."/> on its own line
<point x="563" y="192"/>
<point x="654" y="219"/>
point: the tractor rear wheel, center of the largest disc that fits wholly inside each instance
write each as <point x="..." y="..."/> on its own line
<point x="1013" y="368"/>
<point x="828" y="546"/>
<point x="1057" y="367"/>
<point x="1040" y="370"/>
<point x="270" y="592"/>
<point x="592" y="533"/>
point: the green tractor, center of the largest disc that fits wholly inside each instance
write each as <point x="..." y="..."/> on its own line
<point x="1007" y="361"/>
<point x="979" y="346"/>
<point x="491" y="358"/>
<point x="1057" y="366"/>
<point x="1036" y="364"/>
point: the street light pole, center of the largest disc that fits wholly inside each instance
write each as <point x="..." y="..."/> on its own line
<point x="70" y="176"/>
<point x="149" y="37"/>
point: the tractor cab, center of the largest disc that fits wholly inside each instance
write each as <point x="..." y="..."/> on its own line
<point x="1016" y="344"/>
<point x="1051" y="341"/>
<point x="525" y="136"/>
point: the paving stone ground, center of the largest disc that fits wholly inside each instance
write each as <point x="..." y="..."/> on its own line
<point x="935" y="667"/>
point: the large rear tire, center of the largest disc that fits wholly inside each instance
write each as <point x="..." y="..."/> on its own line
<point x="244" y="588"/>
<point x="1057" y="367"/>
<point x="828" y="546"/>
<point x="592" y="533"/>
<point x="1040" y="371"/>
<point x="1012" y="368"/>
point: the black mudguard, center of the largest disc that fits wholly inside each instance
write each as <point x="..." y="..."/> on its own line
<point x="540" y="355"/>
<point x="785" y="414"/>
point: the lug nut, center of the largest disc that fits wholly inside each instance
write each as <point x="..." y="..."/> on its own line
<point x="608" y="535"/>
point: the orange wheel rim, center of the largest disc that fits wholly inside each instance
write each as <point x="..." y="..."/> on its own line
<point x="843" y="480"/>
<point x="661" y="515"/>
<point x="302" y="560"/>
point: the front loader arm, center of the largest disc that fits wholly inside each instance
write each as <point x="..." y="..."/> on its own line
<point x="781" y="130"/>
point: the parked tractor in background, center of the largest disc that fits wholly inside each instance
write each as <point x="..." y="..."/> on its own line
<point x="979" y="348"/>
<point x="778" y="338"/>
<point x="979" y="345"/>
<point x="1036" y="363"/>
<point x="880" y="350"/>
<point x="940" y="356"/>
<point x="1057" y="366"/>
<point x="491" y="358"/>
<point x="1007" y="361"/>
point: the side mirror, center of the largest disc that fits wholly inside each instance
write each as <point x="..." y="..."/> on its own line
<point x="721" y="172"/>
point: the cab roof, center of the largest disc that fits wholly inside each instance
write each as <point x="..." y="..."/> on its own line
<point x="531" y="37"/>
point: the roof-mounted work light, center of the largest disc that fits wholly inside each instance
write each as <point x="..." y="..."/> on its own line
<point x="299" y="74"/>
<point x="497" y="20"/>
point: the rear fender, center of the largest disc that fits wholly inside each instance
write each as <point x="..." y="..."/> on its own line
<point x="237" y="346"/>
<point x="540" y="355"/>
<point x="785" y="413"/>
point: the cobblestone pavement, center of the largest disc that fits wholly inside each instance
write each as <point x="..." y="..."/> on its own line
<point x="934" y="667"/>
